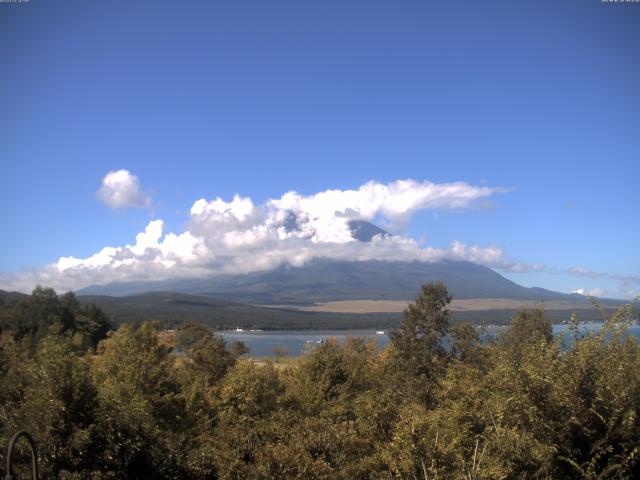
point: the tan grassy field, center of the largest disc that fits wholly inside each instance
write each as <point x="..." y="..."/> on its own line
<point x="470" y="304"/>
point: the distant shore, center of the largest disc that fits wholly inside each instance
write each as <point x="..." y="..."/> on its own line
<point x="457" y="305"/>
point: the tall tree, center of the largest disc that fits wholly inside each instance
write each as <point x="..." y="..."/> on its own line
<point x="528" y="325"/>
<point x="420" y="341"/>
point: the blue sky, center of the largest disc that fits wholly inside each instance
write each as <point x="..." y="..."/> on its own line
<point x="207" y="99"/>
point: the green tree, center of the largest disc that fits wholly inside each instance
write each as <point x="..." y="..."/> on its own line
<point x="467" y="344"/>
<point x="36" y="315"/>
<point x="238" y="349"/>
<point x="43" y="312"/>
<point x="419" y="344"/>
<point x="208" y="357"/>
<point x="93" y="324"/>
<point x="51" y="395"/>
<point x="527" y="326"/>
<point x="142" y="417"/>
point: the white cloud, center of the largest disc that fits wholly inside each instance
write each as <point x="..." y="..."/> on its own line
<point x="121" y="189"/>
<point x="326" y="213"/>
<point x="148" y="239"/>
<point x="625" y="281"/>
<point x="239" y="236"/>
<point x="584" y="272"/>
<point x="594" y="292"/>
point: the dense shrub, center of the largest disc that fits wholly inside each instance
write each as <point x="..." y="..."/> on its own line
<point x="437" y="403"/>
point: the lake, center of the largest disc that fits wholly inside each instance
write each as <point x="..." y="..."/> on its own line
<point x="262" y="343"/>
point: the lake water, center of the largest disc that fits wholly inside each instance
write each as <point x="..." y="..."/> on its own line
<point x="262" y="343"/>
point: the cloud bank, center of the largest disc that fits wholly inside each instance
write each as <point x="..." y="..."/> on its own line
<point x="121" y="189"/>
<point x="239" y="236"/>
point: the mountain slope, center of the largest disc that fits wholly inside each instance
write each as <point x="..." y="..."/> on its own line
<point x="8" y="298"/>
<point x="329" y="280"/>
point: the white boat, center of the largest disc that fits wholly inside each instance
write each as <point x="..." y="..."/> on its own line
<point x="380" y="332"/>
<point x="239" y="329"/>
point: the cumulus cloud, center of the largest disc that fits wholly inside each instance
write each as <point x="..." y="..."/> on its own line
<point x="594" y="292"/>
<point x="326" y="213"/>
<point x="239" y="236"/>
<point x="121" y="189"/>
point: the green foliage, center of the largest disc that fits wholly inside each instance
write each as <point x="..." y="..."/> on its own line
<point x="43" y="312"/>
<point x="437" y="403"/>
<point x="208" y="358"/>
<point x="528" y="326"/>
<point x="141" y="407"/>
<point x="49" y="392"/>
<point x="35" y="315"/>
<point x="419" y="343"/>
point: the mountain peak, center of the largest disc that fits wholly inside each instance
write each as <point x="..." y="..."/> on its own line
<point x="364" y="231"/>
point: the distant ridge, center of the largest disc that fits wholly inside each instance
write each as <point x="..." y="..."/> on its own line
<point x="323" y="280"/>
<point x="10" y="297"/>
<point x="172" y="308"/>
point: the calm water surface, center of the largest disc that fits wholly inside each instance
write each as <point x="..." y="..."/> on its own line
<point x="262" y="343"/>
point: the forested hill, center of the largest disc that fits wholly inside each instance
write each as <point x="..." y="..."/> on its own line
<point x="10" y="297"/>
<point x="173" y="308"/>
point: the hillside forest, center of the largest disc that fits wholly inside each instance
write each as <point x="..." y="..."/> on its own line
<point x="440" y="402"/>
